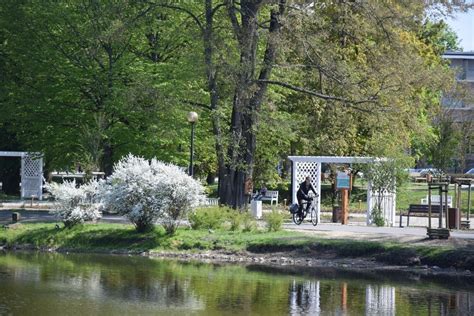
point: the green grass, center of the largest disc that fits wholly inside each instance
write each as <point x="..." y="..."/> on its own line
<point x="120" y="238"/>
<point x="412" y="193"/>
<point x="6" y="197"/>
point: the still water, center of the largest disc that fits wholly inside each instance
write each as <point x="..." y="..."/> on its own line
<point x="78" y="284"/>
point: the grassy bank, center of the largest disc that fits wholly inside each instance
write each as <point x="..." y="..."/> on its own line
<point x="120" y="238"/>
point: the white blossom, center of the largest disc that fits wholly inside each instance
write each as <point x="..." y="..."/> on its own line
<point x="145" y="191"/>
<point x="74" y="205"/>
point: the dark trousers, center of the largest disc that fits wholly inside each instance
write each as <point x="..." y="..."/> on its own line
<point x="301" y="198"/>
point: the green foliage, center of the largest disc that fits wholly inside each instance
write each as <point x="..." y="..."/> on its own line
<point x="445" y="147"/>
<point x="248" y="222"/>
<point x="274" y="220"/>
<point x="384" y="175"/>
<point x="235" y="219"/>
<point x="207" y="218"/>
<point x="88" y="82"/>
<point x="377" y="216"/>
<point x="439" y="36"/>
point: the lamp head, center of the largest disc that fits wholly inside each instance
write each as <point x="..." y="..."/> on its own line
<point x="192" y="117"/>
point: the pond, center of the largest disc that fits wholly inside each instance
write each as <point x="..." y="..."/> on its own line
<point x="79" y="284"/>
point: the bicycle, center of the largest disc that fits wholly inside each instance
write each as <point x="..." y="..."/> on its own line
<point x="298" y="219"/>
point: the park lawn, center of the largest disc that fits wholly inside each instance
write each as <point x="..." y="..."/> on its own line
<point x="122" y="238"/>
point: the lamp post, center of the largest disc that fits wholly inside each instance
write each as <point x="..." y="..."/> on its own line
<point x="192" y="118"/>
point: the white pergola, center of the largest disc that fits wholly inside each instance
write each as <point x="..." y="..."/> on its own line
<point x="31" y="173"/>
<point x="303" y="166"/>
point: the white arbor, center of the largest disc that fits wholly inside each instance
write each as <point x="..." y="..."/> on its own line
<point x="303" y="166"/>
<point x="31" y="173"/>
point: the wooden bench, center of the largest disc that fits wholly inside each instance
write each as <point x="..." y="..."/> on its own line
<point x="271" y="196"/>
<point x="435" y="200"/>
<point x="418" y="210"/>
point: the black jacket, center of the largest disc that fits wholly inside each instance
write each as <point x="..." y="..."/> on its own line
<point x="304" y="189"/>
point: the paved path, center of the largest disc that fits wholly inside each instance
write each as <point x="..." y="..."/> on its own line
<point x="369" y="230"/>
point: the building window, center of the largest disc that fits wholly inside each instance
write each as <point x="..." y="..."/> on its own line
<point x="470" y="70"/>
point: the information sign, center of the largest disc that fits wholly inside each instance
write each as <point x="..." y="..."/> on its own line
<point x="343" y="181"/>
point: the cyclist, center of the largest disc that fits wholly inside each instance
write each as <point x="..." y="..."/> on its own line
<point x="302" y="195"/>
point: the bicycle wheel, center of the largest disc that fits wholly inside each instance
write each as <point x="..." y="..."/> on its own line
<point x="297" y="219"/>
<point x="314" y="216"/>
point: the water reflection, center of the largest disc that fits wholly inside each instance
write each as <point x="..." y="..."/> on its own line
<point x="79" y="284"/>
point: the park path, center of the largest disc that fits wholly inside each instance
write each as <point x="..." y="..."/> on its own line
<point x="358" y="231"/>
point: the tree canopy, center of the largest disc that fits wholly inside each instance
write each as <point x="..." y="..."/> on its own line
<point x="90" y="81"/>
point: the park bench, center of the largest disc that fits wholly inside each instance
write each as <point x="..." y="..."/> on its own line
<point x="271" y="196"/>
<point x="211" y="202"/>
<point x="435" y="200"/>
<point x="418" y="210"/>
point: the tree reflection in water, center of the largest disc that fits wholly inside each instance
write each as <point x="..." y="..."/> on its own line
<point x="91" y="284"/>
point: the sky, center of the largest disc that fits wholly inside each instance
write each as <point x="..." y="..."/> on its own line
<point x="463" y="25"/>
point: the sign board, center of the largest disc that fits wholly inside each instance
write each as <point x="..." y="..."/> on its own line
<point x="343" y="181"/>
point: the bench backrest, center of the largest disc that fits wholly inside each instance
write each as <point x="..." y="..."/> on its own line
<point x="423" y="208"/>
<point x="269" y="194"/>
<point x="436" y="199"/>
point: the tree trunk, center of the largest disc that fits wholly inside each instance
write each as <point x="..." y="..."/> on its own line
<point x="248" y="96"/>
<point x="107" y="159"/>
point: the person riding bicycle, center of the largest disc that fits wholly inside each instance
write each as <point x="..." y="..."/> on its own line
<point x="302" y="195"/>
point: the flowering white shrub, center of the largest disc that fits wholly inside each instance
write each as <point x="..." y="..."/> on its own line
<point x="145" y="191"/>
<point x="75" y="205"/>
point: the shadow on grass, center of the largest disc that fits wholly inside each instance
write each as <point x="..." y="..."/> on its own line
<point x="461" y="258"/>
<point x="343" y="248"/>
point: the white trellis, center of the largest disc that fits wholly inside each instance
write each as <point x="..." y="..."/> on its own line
<point x="31" y="173"/>
<point x="303" y="166"/>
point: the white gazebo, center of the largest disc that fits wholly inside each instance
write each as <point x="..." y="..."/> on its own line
<point x="31" y="173"/>
<point x="303" y="166"/>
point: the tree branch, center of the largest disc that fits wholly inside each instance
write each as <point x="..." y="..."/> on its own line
<point x="319" y="95"/>
<point x="198" y="104"/>
<point x="188" y="12"/>
<point x="233" y="19"/>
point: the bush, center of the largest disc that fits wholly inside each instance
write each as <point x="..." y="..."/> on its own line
<point x="145" y="191"/>
<point x="207" y="218"/>
<point x="274" y="220"/>
<point x="235" y="219"/>
<point x="377" y="216"/>
<point x="249" y="223"/>
<point x="75" y="205"/>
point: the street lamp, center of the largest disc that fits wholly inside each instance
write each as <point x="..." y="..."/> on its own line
<point x="192" y="118"/>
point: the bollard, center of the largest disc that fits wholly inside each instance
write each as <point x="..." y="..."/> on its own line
<point x="15" y="217"/>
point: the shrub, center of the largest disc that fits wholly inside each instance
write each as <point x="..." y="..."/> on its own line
<point x="207" y="218"/>
<point x="274" y="220"/>
<point x="145" y="191"/>
<point x="75" y="205"/>
<point x="377" y="216"/>
<point x="235" y="219"/>
<point x="249" y="223"/>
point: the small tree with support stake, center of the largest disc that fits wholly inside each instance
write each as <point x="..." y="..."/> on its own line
<point x="383" y="176"/>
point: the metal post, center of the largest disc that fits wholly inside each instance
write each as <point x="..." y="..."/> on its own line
<point x="447" y="206"/>
<point x="440" y="217"/>
<point x="191" y="158"/>
<point x="429" y="205"/>
<point x="469" y="201"/>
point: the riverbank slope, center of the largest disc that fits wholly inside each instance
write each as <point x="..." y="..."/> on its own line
<point x="284" y="247"/>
